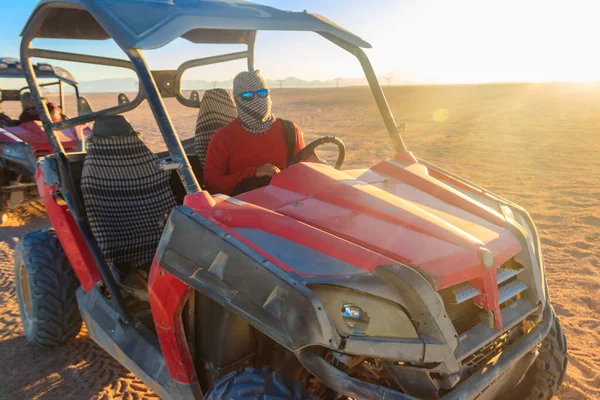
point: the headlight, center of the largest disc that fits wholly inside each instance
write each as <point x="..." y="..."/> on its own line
<point x="357" y="313"/>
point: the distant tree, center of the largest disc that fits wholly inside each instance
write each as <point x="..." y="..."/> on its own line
<point x="337" y="82"/>
<point x="388" y="79"/>
<point x="215" y="84"/>
<point x="280" y="81"/>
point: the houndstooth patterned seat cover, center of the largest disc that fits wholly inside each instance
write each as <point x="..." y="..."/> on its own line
<point x="217" y="109"/>
<point x="126" y="197"/>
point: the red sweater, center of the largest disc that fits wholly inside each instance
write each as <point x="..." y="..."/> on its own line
<point x="234" y="154"/>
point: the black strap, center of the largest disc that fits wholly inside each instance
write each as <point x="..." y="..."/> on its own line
<point x="289" y="131"/>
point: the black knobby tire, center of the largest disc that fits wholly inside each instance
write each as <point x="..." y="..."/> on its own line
<point x="46" y="286"/>
<point x="545" y="376"/>
<point x="257" y="384"/>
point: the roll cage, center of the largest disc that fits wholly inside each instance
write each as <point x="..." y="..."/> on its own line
<point x="11" y="68"/>
<point x="209" y="22"/>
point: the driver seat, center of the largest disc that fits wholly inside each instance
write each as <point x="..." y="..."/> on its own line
<point x="217" y="109"/>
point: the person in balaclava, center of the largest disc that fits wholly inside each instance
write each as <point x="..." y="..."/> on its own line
<point x="251" y="146"/>
<point x="30" y="113"/>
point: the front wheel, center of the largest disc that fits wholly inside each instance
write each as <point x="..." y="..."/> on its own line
<point x="46" y="286"/>
<point x="257" y="384"/>
<point x="545" y="376"/>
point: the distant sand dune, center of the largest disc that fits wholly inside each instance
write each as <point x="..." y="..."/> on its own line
<point x="537" y="145"/>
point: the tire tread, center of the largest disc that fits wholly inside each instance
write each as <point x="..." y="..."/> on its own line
<point x="53" y="284"/>
<point x="257" y="384"/>
<point x="551" y="365"/>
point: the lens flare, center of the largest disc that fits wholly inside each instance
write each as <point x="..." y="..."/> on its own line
<point x="440" y="115"/>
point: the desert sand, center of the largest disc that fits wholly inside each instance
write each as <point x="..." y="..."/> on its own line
<point x="535" y="144"/>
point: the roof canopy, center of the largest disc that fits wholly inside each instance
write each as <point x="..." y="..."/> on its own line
<point x="11" y="68"/>
<point x="149" y="24"/>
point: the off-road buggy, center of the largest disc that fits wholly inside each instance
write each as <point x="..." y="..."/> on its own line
<point x="23" y="141"/>
<point x="393" y="282"/>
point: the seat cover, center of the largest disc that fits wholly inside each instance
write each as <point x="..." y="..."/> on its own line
<point x="217" y="109"/>
<point x="125" y="195"/>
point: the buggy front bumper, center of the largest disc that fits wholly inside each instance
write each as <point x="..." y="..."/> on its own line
<point x="502" y="372"/>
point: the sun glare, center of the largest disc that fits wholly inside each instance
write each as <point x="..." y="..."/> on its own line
<point x="469" y="41"/>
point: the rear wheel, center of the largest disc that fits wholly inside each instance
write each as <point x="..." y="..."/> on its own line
<point x="46" y="286"/>
<point x="257" y="384"/>
<point x="545" y="376"/>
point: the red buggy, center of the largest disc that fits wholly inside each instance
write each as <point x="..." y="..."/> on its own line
<point x="398" y="281"/>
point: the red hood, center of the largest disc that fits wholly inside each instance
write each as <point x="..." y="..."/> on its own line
<point x="33" y="134"/>
<point x="394" y="212"/>
<point x="399" y="212"/>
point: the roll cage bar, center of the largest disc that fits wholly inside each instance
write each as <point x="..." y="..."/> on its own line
<point x="153" y="87"/>
<point x="11" y="68"/>
<point x="15" y="95"/>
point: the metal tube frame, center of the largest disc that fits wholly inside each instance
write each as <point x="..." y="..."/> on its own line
<point x="163" y="121"/>
<point x="67" y="188"/>
<point x="61" y="95"/>
<point x="87" y="59"/>
<point x="382" y="104"/>
<point x="149" y="90"/>
<point x="60" y="84"/>
<point x="199" y="62"/>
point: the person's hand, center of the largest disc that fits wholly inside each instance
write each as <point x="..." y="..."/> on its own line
<point x="266" y="170"/>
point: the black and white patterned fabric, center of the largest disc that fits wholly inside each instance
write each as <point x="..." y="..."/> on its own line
<point x="217" y="109"/>
<point x="125" y="195"/>
<point x="255" y="115"/>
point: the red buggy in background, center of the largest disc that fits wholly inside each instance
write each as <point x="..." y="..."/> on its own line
<point x="23" y="140"/>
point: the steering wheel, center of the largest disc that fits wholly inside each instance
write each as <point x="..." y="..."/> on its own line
<point x="310" y="150"/>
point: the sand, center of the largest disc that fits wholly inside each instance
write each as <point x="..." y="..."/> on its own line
<point x="537" y="145"/>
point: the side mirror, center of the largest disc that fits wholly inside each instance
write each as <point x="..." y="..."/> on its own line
<point x="83" y="106"/>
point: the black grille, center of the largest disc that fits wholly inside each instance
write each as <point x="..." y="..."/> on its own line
<point x="464" y="316"/>
<point x="476" y="360"/>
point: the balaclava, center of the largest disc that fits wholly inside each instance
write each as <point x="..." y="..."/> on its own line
<point x="27" y="102"/>
<point x="255" y="115"/>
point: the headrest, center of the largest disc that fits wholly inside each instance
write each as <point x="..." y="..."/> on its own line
<point x="218" y="101"/>
<point x="112" y="126"/>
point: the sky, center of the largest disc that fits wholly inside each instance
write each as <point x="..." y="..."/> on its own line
<point x="414" y="41"/>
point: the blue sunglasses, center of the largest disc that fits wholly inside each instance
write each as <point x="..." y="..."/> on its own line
<point x="261" y="94"/>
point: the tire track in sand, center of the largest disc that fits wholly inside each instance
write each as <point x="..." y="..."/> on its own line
<point x="77" y="370"/>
